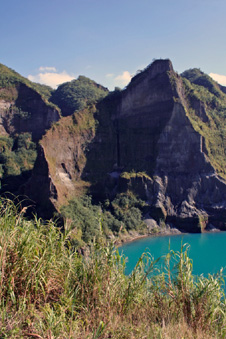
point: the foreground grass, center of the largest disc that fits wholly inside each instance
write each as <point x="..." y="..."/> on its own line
<point x="49" y="291"/>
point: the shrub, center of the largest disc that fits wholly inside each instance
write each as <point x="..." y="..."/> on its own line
<point x="127" y="208"/>
<point x="84" y="219"/>
<point x="17" y="155"/>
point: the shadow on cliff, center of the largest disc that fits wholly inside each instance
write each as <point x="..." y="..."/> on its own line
<point x="12" y="188"/>
<point x="13" y="183"/>
<point x="126" y="139"/>
<point x="103" y="153"/>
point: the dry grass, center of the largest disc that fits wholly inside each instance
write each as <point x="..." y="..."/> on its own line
<point x="48" y="291"/>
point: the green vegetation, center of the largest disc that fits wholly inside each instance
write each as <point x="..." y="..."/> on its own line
<point x="9" y="80"/>
<point x="83" y="219"/>
<point x="75" y="95"/>
<point x="86" y="220"/>
<point x="127" y="208"/>
<point x="134" y="174"/>
<point x="210" y="119"/>
<point x="197" y="77"/>
<point x="44" y="90"/>
<point x="203" y="220"/>
<point x="18" y="152"/>
<point x="49" y="291"/>
<point x="9" y="77"/>
<point x="16" y="155"/>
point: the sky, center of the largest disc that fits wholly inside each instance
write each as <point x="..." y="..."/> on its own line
<point x="54" y="41"/>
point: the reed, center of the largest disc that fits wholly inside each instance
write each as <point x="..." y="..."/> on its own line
<point x="49" y="291"/>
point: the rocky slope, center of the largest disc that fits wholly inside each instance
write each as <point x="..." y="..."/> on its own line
<point x="25" y="115"/>
<point x="143" y="139"/>
<point x="162" y="138"/>
<point x="22" y="106"/>
<point x="61" y="159"/>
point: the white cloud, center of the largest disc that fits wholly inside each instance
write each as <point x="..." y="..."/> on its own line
<point x="51" y="79"/>
<point x="47" y="69"/>
<point x="109" y="75"/>
<point x="123" y="79"/>
<point x="221" y="79"/>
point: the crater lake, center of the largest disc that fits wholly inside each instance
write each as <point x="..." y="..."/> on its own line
<point x="207" y="250"/>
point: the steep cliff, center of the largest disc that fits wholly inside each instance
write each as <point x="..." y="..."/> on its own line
<point x="147" y="139"/>
<point x="25" y="115"/>
<point x="61" y="160"/>
<point x="186" y="189"/>
<point x="24" y="109"/>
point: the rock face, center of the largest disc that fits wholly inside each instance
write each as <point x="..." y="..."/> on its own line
<point x="26" y="112"/>
<point x="186" y="185"/>
<point x="40" y="188"/>
<point x="156" y="135"/>
<point x="144" y="110"/>
<point x="25" y="115"/>
<point x="61" y="159"/>
<point x="144" y="129"/>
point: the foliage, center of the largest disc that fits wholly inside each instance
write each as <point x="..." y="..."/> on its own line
<point x="110" y="223"/>
<point x="75" y="95"/>
<point x="134" y="174"/>
<point x="87" y="220"/>
<point x="197" y="77"/>
<point x="211" y="123"/>
<point x="17" y="111"/>
<point x="197" y="299"/>
<point x="16" y="155"/>
<point x="49" y="291"/>
<point x="44" y="90"/>
<point x="83" y="218"/>
<point x="127" y="208"/>
<point x="10" y="79"/>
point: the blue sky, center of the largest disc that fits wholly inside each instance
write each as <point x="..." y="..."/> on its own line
<point x="53" y="41"/>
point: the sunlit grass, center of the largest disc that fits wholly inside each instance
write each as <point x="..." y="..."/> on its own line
<point x="49" y="291"/>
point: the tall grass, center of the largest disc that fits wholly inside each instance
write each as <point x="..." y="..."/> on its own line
<point x="49" y="291"/>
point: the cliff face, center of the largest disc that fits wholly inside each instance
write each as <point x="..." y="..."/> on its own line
<point x="144" y="110"/>
<point x="25" y="115"/>
<point x="61" y="159"/>
<point x="186" y="185"/>
<point x="26" y="111"/>
<point x="146" y="128"/>
<point x="156" y="135"/>
<point x="40" y="188"/>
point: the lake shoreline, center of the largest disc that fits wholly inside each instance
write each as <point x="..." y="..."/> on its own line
<point x="206" y="250"/>
<point x="134" y="236"/>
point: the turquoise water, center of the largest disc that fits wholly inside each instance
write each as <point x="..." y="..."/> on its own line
<point x="207" y="250"/>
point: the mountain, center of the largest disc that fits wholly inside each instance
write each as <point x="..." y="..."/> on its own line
<point x="27" y="111"/>
<point x="24" y="106"/>
<point x="74" y="95"/>
<point x="161" y="140"/>
<point x="25" y="115"/>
